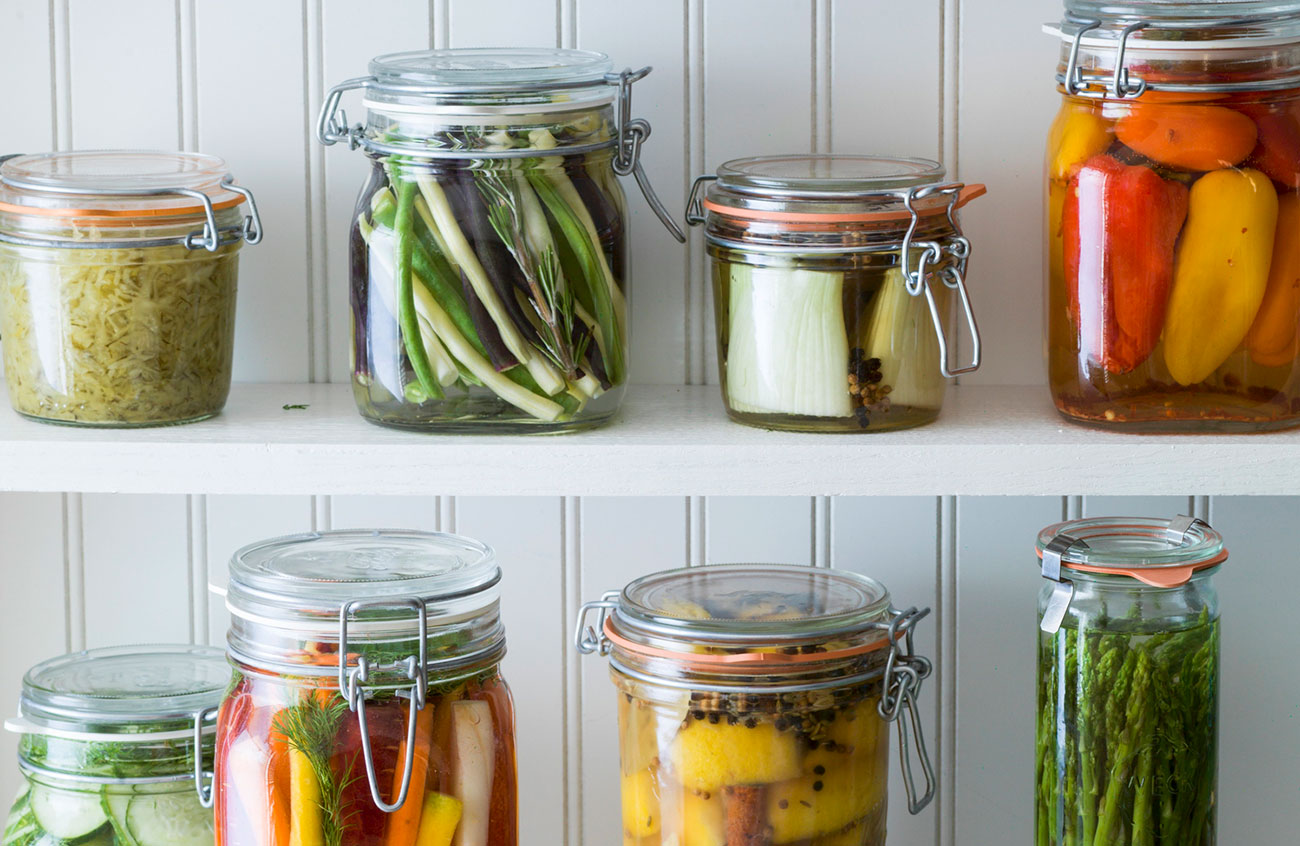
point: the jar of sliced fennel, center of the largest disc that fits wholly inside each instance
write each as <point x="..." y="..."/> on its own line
<point x="489" y="244"/>
<point x="117" y="284"/>
<point x="834" y="278"/>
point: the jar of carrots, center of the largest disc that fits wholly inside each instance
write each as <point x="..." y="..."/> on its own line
<point x="1173" y="216"/>
<point x="368" y="707"/>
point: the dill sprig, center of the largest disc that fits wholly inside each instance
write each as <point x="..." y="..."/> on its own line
<point x="311" y="728"/>
<point x="551" y="298"/>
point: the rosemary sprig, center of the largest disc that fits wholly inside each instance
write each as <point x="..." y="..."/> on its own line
<point x="311" y="728"/>
<point x="551" y="298"/>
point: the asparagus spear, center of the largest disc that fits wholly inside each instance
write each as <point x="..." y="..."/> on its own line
<point x="406" y="318"/>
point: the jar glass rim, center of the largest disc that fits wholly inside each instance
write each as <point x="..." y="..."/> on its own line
<point x="470" y="68"/>
<point x="1136" y="545"/>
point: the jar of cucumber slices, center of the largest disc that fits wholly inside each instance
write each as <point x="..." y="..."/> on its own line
<point x="754" y="703"/>
<point x="368" y="706"/>
<point x="111" y="741"/>
<point x="833" y="282"/>
<point x="489" y="244"/>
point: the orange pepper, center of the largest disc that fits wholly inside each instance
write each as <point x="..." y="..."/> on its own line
<point x="1188" y="136"/>
<point x="1272" y="337"/>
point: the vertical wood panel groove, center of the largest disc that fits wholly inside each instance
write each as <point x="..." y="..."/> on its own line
<point x="62" y="60"/>
<point x="318" y="276"/>
<point x="74" y="568"/>
<point x="946" y="659"/>
<point x="823" y="76"/>
<point x="696" y="303"/>
<point x="198" y="537"/>
<point x="187" y="71"/>
<point x="571" y="706"/>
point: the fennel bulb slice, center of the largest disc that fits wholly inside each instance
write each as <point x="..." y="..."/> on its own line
<point x="787" y="350"/>
<point x="900" y="333"/>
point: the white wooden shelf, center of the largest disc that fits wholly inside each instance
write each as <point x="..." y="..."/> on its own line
<point x="667" y="441"/>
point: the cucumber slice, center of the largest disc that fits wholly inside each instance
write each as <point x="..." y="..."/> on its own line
<point x="168" y="819"/>
<point x="115" y="805"/>
<point x="67" y="814"/>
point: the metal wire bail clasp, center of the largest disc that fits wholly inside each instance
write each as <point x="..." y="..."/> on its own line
<point x="591" y="640"/>
<point x="931" y="253"/>
<point x="695" y="201"/>
<point x="1062" y="588"/>
<point x="203" y="778"/>
<point x="352" y="681"/>
<point x="631" y="133"/>
<point x="332" y="124"/>
<point x="1121" y="85"/>
<point x="904" y="673"/>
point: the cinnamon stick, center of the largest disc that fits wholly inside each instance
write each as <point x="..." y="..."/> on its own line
<point x="745" y="810"/>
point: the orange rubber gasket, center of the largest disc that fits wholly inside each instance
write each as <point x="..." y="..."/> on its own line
<point x="1161" y="577"/>
<point x="967" y="193"/>
<point x="742" y="659"/>
<point x="178" y="211"/>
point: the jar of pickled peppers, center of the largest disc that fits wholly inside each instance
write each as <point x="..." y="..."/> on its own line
<point x="754" y="703"/>
<point x="1128" y="683"/>
<point x="368" y="705"/>
<point x="1173" y="216"/>
<point x="489" y="245"/>
<point x="111" y="743"/>
<point x="833" y="282"/>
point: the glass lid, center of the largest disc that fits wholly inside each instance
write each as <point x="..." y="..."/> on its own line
<point x="1183" y="10"/>
<point x="750" y="603"/>
<point x="125" y="689"/>
<point x="826" y="176"/>
<point x="114" y="183"/>
<point x="479" y="67"/>
<point x="317" y="573"/>
<point x="1170" y="26"/>
<point x="1157" y="551"/>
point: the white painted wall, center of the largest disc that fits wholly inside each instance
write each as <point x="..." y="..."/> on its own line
<point x="966" y="81"/>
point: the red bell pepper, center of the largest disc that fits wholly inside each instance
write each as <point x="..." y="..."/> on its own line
<point x="1119" y="228"/>
<point x="1277" y="153"/>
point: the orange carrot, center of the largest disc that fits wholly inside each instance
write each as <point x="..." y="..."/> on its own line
<point x="404" y="823"/>
<point x="277" y="778"/>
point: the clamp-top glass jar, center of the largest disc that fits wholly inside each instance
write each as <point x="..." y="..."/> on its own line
<point x="368" y="706"/>
<point x="489" y="247"/>
<point x="1128" y="683"/>
<point x="1173" y="216"/>
<point x="826" y="288"/>
<point x="755" y="702"/>
<point x="117" y="284"/>
<point x="112" y="740"/>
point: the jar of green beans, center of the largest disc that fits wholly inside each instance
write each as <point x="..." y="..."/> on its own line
<point x="1128" y="683"/>
<point x="489" y="244"/>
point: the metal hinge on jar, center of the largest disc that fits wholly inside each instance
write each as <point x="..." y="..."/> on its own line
<point x="354" y="678"/>
<point x="901" y="684"/>
<point x="955" y="251"/>
<point x="203" y="777"/>
<point x="591" y="640"/>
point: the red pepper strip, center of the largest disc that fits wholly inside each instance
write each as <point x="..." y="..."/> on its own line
<point x="1119" y="229"/>
<point x="231" y="722"/>
<point x="1277" y="152"/>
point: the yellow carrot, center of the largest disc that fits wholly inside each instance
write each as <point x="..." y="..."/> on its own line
<point x="304" y="802"/>
<point x="438" y="820"/>
<point x="404" y="823"/>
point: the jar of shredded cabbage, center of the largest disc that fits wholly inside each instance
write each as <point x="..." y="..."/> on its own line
<point x="833" y="279"/>
<point x="117" y="285"/>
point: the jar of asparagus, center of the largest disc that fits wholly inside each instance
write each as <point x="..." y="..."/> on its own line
<point x="1128" y="683"/>
<point x="368" y="706"/>
<point x="117" y="285"/>
<point x="754" y="703"/>
<point x="1173" y="216"/>
<point x="111" y="741"/>
<point x="833" y="282"/>
<point x="489" y="245"/>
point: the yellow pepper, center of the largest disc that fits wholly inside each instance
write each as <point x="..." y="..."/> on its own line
<point x="1078" y="133"/>
<point x="439" y="817"/>
<point x="1272" y="340"/>
<point x="1221" y="271"/>
<point x="304" y="802"/>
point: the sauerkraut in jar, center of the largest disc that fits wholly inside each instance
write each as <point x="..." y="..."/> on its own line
<point x="117" y="285"/>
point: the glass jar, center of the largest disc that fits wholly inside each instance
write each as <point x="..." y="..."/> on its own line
<point x="489" y="246"/>
<point x="754" y="704"/>
<point x="108" y="747"/>
<point x="117" y="285"/>
<point x="826" y="288"/>
<point x="368" y="706"/>
<point x="1128" y="682"/>
<point x="1173" y="216"/>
